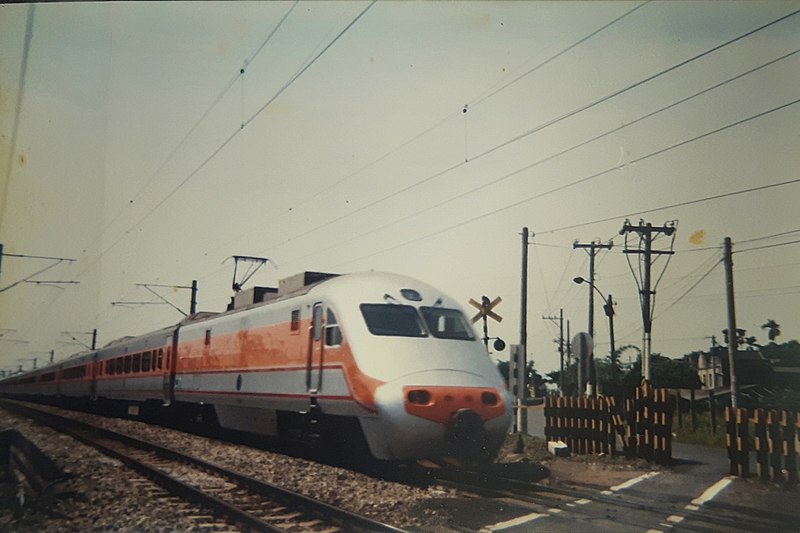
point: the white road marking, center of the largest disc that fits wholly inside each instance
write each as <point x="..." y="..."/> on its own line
<point x="675" y="518"/>
<point x="712" y="491"/>
<point x="631" y="482"/>
<point x="511" y="523"/>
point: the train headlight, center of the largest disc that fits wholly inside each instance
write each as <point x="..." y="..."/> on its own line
<point x="489" y="398"/>
<point x="419" y="397"/>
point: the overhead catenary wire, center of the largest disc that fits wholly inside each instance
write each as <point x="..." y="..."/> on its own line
<point x="234" y="134"/>
<point x="462" y="111"/>
<point x="211" y="106"/>
<point x="586" y="179"/>
<point x="492" y="92"/>
<point x="220" y="147"/>
<point x="483" y="186"/>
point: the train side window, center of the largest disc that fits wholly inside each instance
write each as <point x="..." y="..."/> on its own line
<point x="161" y="358"/>
<point x="119" y="365"/>
<point x="333" y="335"/>
<point x="208" y="337"/>
<point x="295" y="321"/>
<point x="137" y="363"/>
<point x="317" y="322"/>
<point x="146" y="362"/>
<point x="127" y="364"/>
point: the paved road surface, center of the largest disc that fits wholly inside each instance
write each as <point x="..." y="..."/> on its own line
<point x="695" y="494"/>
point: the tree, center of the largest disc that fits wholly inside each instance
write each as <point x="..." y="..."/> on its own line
<point x="774" y="329"/>
<point x="740" y="333"/>
<point x="664" y="373"/>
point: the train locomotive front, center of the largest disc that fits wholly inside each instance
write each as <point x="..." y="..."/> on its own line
<point x="440" y="393"/>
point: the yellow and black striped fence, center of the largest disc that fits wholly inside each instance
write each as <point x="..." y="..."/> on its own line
<point x="641" y="426"/>
<point x="772" y="435"/>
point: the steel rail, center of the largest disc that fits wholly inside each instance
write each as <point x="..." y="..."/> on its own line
<point x="88" y="434"/>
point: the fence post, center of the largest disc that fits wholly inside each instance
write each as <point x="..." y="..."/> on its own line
<point x="572" y="424"/>
<point x="743" y="441"/>
<point x="632" y="429"/>
<point x="774" y="440"/>
<point x="646" y="417"/>
<point x="761" y="445"/>
<point x="730" y="440"/>
<point x="789" y="451"/>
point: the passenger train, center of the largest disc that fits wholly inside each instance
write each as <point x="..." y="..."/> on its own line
<point x="382" y="355"/>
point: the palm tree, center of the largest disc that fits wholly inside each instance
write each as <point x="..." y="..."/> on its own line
<point x="774" y="329"/>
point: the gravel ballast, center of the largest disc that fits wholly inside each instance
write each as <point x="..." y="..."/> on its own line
<point x="106" y="496"/>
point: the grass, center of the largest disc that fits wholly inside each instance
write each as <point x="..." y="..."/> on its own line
<point x="703" y="434"/>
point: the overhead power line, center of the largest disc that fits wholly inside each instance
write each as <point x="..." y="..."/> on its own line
<point x="239" y="73"/>
<point x="232" y="136"/>
<point x="595" y="176"/>
<point x="679" y="204"/>
<point x="556" y="56"/>
<point x="477" y="101"/>
<point x="768" y="246"/>
<point x="555" y="121"/>
<point x="551" y="157"/>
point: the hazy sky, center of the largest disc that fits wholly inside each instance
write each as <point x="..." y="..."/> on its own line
<point x="152" y="141"/>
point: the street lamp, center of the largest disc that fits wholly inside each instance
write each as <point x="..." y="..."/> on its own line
<point x="608" y="307"/>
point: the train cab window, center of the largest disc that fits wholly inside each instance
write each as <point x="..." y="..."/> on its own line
<point x="447" y="323"/>
<point x="137" y="363"/>
<point x="146" y="362"/>
<point x="393" y="320"/>
<point x="333" y="335"/>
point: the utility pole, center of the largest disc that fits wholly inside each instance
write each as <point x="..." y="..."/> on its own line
<point x="592" y="248"/>
<point x="732" y="335"/>
<point x="560" y="322"/>
<point x="647" y="233"/>
<point x="523" y="326"/>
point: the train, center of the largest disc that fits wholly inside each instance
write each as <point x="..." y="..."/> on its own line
<point x="378" y="358"/>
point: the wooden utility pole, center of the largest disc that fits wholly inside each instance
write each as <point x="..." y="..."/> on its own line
<point x="523" y="319"/>
<point x="592" y="249"/>
<point x="733" y="342"/>
<point x="645" y="232"/>
<point x="560" y="322"/>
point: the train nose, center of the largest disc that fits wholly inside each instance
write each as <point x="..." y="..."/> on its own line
<point x="443" y="404"/>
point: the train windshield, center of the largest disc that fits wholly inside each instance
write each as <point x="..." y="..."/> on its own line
<point x="393" y="320"/>
<point x="447" y="323"/>
<point x="405" y="321"/>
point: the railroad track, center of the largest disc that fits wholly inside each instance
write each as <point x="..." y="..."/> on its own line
<point x="573" y="499"/>
<point x="238" y="499"/>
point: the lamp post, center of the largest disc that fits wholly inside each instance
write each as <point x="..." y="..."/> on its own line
<point x="608" y="307"/>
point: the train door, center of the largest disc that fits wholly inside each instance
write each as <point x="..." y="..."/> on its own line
<point x="316" y="348"/>
<point x="167" y="365"/>
<point x="94" y="367"/>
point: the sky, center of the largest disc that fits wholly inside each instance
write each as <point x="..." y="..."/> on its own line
<point x="148" y="143"/>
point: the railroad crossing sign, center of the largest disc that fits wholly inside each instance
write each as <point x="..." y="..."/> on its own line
<point x="484" y="311"/>
<point x="485" y="308"/>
